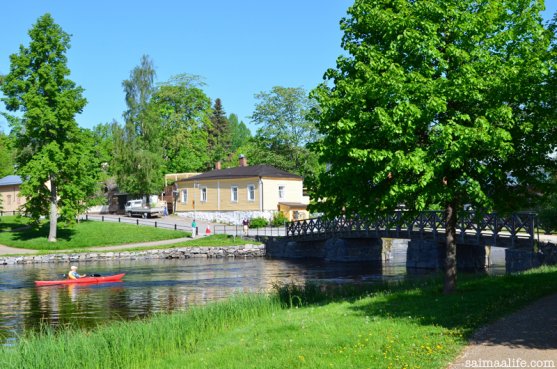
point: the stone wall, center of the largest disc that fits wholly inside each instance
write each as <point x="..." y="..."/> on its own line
<point x="226" y="217"/>
<point x="333" y="249"/>
<point x="517" y="260"/>
<point x="245" y="251"/>
<point x="425" y="254"/>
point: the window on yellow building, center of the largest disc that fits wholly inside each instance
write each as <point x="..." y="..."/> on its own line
<point x="251" y="193"/>
<point x="203" y="194"/>
<point x="234" y="193"/>
<point x="282" y="193"/>
<point x="184" y="198"/>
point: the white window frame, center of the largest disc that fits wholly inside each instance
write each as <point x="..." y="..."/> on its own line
<point x="282" y="194"/>
<point x="234" y="193"/>
<point x="203" y="194"/>
<point x="250" y="189"/>
<point x="184" y="196"/>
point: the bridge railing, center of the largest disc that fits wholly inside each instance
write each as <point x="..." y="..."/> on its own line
<point x="472" y="227"/>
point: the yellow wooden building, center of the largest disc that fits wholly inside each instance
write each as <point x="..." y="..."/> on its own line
<point x="9" y="192"/>
<point x="242" y="192"/>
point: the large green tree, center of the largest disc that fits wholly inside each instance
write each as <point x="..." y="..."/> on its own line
<point x="138" y="162"/>
<point x="239" y="132"/>
<point x="52" y="157"/>
<point x="218" y="135"/>
<point x="284" y="130"/>
<point x="185" y="111"/>
<point x="7" y="155"/>
<point x="437" y="102"/>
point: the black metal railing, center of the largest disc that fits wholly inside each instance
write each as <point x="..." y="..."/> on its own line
<point x="238" y="230"/>
<point x="471" y="228"/>
<point x="10" y="212"/>
<point x="137" y="221"/>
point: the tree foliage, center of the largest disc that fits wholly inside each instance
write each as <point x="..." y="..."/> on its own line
<point x="239" y="133"/>
<point x="137" y="146"/>
<point x="184" y="111"/>
<point x="437" y="102"/>
<point x="7" y="155"/>
<point x="284" y="130"/>
<point x="219" y="134"/>
<point x="52" y="155"/>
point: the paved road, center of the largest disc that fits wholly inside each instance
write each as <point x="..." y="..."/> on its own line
<point x="525" y="339"/>
<point x="183" y="223"/>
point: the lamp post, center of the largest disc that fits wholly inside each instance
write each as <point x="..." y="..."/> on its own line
<point x="195" y="185"/>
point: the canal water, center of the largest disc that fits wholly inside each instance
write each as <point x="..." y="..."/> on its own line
<point x="157" y="286"/>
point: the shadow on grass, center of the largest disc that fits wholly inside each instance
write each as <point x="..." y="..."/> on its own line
<point x="477" y="302"/>
<point x="9" y="225"/>
<point x="29" y="234"/>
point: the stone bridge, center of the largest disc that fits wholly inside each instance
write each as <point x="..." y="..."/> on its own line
<point x="422" y="236"/>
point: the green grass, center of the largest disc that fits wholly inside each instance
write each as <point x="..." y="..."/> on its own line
<point x="8" y="223"/>
<point x="209" y="241"/>
<point x="412" y="325"/>
<point x="86" y="234"/>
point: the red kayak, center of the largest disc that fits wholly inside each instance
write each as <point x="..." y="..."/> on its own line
<point x="110" y="278"/>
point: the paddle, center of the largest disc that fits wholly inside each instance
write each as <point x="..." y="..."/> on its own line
<point x="86" y="275"/>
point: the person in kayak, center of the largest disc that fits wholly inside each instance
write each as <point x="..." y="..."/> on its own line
<point x="73" y="273"/>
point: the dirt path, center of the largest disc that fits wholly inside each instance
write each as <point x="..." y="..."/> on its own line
<point x="525" y="339"/>
<point x="6" y="250"/>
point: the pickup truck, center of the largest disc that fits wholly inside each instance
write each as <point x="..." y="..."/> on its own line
<point x="138" y="208"/>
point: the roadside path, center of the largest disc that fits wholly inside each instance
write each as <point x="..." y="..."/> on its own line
<point x="6" y="250"/>
<point x="524" y="339"/>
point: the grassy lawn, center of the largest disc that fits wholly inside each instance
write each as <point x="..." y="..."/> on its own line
<point x="7" y="223"/>
<point x="220" y="240"/>
<point x="86" y="234"/>
<point x="412" y="325"/>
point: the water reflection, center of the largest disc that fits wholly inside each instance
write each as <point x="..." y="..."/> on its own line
<point x="155" y="286"/>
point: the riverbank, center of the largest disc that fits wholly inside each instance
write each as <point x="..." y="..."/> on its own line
<point x="243" y="251"/>
<point x="411" y="325"/>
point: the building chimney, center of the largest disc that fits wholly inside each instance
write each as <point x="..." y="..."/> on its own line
<point x="243" y="162"/>
<point x="218" y="165"/>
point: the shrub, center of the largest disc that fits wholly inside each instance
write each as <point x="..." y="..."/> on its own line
<point x="278" y="219"/>
<point x="259" y="222"/>
<point x="548" y="219"/>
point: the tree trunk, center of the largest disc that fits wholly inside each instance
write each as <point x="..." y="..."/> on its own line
<point x="450" y="256"/>
<point x="53" y="210"/>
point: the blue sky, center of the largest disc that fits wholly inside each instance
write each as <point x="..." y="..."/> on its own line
<point x="239" y="47"/>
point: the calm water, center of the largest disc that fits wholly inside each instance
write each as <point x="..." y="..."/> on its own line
<point x="155" y="286"/>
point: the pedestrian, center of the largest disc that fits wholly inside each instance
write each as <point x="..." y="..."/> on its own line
<point x="245" y="224"/>
<point x="193" y="228"/>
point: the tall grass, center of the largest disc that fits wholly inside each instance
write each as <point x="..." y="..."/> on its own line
<point x="130" y="344"/>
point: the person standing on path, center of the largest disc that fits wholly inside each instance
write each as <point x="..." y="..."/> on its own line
<point x="245" y="224"/>
<point x="193" y="228"/>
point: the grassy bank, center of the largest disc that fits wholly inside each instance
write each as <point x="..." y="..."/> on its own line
<point x="9" y="223"/>
<point x="85" y="234"/>
<point x="405" y="326"/>
<point x="209" y="241"/>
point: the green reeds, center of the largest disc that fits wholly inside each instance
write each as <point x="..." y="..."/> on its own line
<point x="129" y="344"/>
